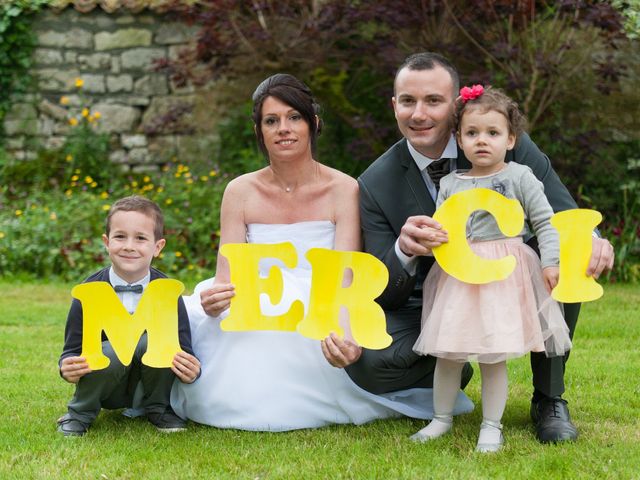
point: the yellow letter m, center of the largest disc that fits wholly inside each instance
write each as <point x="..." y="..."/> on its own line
<point x="157" y="314"/>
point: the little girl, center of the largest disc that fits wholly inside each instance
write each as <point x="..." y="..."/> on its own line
<point x="492" y="322"/>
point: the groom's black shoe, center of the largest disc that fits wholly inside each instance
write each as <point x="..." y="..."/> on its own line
<point x="552" y="420"/>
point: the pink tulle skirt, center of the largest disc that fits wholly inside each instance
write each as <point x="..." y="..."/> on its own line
<point x="492" y="322"/>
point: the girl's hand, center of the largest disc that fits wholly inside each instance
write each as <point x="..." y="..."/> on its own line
<point x="217" y="299"/>
<point x="551" y="275"/>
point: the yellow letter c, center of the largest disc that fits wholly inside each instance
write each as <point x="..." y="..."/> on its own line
<point x="456" y="257"/>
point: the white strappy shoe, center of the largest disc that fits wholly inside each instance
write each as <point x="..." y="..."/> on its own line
<point x="439" y="426"/>
<point x="490" y="439"/>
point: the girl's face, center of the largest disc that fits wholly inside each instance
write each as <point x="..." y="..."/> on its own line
<point x="484" y="137"/>
<point x="285" y="131"/>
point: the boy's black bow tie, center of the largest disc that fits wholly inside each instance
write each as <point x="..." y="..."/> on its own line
<point x="128" y="288"/>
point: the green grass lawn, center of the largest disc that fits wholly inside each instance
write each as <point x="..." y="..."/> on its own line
<point x="603" y="393"/>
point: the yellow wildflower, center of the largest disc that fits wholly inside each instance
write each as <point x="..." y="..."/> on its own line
<point x="68" y="193"/>
<point x="106" y="207"/>
<point x="204" y="178"/>
<point x="160" y="189"/>
<point x="90" y="119"/>
<point x="64" y="100"/>
<point x="73" y="121"/>
<point x="1" y="235"/>
<point x="77" y="171"/>
<point x="189" y="181"/>
<point x="161" y="256"/>
<point x="96" y="115"/>
<point x="53" y="216"/>
<point x="94" y="184"/>
<point x="134" y="184"/>
<point x="69" y="158"/>
<point x="146" y="179"/>
<point x="213" y="173"/>
<point x="75" y="178"/>
<point x="18" y="213"/>
<point x="168" y="201"/>
<point x="190" y="267"/>
<point x="85" y="112"/>
<point x="88" y="179"/>
<point x="79" y="83"/>
<point x="104" y="195"/>
<point x="178" y="254"/>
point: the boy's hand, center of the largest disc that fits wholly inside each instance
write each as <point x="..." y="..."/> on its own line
<point x="186" y="367"/>
<point x="74" y="368"/>
<point x="217" y="299"/>
<point x="551" y="275"/>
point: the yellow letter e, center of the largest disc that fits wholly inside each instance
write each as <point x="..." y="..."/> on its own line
<point x="245" y="313"/>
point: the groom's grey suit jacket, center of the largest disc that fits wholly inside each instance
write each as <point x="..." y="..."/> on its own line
<point x="392" y="189"/>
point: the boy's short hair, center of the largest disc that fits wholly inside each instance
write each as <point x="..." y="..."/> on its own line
<point x="137" y="203"/>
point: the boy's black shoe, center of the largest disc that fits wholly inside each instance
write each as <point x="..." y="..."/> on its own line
<point x="71" y="427"/>
<point x="167" y="422"/>
<point x="552" y="420"/>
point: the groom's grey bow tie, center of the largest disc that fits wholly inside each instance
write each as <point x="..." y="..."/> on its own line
<point x="128" y="288"/>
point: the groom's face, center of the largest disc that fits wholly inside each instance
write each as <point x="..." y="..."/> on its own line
<point x="423" y="106"/>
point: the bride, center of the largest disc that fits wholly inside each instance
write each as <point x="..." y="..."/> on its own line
<point x="275" y="380"/>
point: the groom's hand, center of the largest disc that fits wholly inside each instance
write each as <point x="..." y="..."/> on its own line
<point x="420" y="234"/>
<point x="602" y="256"/>
<point x="340" y="353"/>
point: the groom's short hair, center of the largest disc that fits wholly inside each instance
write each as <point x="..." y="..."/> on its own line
<point x="429" y="61"/>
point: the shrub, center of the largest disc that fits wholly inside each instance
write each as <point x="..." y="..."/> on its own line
<point x="57" y="232"/>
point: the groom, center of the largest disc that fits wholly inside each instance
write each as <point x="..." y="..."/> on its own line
<point x="397" y="200"/>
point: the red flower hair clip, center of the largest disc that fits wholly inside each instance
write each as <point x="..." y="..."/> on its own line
<point x="471" y="93"/>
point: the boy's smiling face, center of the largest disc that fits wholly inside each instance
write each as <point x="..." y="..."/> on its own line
<point x="131" y="244"/>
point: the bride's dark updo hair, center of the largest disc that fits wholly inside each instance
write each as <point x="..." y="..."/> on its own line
<point x="288" y="89"/>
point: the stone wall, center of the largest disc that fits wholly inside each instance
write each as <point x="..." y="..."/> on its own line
<point x="113" y="54"/>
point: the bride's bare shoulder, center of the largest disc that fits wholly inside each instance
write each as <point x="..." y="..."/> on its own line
<point x="245" y="182"/>
<point x="340" y="180"/>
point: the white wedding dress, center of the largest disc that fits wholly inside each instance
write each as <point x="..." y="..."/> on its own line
<point x="274" y="380"/>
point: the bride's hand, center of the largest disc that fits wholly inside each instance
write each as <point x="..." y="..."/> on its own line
<point x="340" y="353"/>
<point x="217" y="299"/>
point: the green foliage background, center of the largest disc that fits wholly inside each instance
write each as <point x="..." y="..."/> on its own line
<point x="17" y="42"/>
<point x="571" y="66"/>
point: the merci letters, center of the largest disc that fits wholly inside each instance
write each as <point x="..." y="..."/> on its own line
<point x="157" y="312"/>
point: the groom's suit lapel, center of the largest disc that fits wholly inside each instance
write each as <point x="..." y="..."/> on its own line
<point x="415" y="182"/>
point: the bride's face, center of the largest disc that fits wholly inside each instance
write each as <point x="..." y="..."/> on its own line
<point x="285" y="132"/>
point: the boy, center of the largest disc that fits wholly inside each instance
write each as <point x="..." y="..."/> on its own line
<point x="134" y="231"/>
